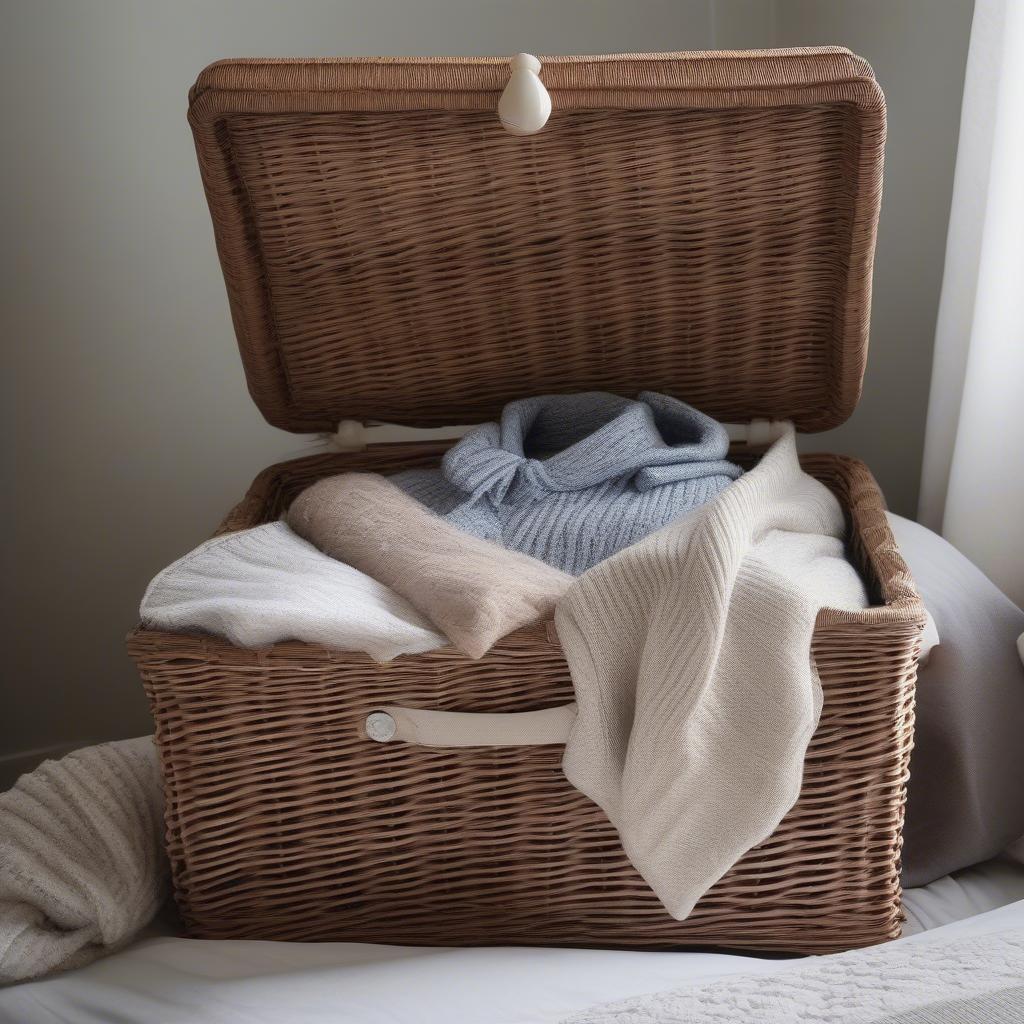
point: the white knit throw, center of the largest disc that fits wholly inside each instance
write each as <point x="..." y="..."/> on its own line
<point x="266" y="584"/>
<point x="82" y="864"/>
<point x="690" y="656"/>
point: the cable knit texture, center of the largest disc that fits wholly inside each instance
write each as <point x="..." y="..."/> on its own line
<point x="571" y="479"/>
<point x="690" y="657"/>
<point x="82" y="863"/>
<point x="474" y="591"/>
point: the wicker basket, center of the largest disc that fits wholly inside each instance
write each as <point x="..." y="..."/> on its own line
<point x="696" y="224"/>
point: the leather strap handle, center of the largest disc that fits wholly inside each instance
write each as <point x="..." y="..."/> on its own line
<point x="426" y="728"/>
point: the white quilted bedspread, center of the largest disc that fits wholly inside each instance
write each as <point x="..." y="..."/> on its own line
<point x="977" y="979"/>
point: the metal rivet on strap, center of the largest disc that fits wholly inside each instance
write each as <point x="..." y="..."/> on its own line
<point x="380" y="726"/>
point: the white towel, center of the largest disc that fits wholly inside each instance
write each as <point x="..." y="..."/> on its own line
<point x="266" y="584"/>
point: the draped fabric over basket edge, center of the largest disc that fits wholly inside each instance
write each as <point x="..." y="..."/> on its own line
<point x="690" y="658"/>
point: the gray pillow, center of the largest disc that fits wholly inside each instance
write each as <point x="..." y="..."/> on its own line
<point x="965" y="799"/>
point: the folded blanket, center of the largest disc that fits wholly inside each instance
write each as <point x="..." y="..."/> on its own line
<point x="571" y="479"/>
<point x="964" y="979"/>
<point x="697" y="696"/>
<point x="82" y="865"/>
<point x="474" y="591"/>
<point x="260" y="586"/>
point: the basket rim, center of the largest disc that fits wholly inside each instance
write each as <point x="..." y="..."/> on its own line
<point x="902" y="605"/>
<point x="243" y="73"/>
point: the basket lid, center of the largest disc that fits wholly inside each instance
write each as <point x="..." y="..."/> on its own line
<point x="701" y="224"/>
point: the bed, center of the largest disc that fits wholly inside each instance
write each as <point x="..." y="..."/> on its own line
<point x="162" y="979"/>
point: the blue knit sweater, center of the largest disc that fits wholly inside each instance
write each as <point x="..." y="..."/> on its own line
<point x="571" y="479"/>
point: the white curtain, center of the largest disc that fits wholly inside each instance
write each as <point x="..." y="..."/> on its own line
<point x="972" y="487"/>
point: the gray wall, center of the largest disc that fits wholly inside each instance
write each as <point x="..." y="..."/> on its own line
<point x="918" y="49"/>
<point x="127" y="428"/>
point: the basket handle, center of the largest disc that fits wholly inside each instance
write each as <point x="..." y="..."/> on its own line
<point x="462" y="729"/>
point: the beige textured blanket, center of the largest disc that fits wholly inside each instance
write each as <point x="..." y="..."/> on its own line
<point x="474" y="591"/>
<point x="82" y="863"/>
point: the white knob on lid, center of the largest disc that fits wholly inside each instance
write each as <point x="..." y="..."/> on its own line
<point x="525" y="106"/>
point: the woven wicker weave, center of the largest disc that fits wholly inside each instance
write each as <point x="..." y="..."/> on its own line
<point x="695" y="224"/>
<point x="700" y="224"/>
<point x="285" y="822"/>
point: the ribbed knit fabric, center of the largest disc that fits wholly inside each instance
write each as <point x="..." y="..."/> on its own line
<point x="260" y="586"/>
<point x="690" y="657"/>
<point x="571" y="479"/>
<point x="82" y="862"/>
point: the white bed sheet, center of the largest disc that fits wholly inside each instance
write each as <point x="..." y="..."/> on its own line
<point x="161" y="979"/>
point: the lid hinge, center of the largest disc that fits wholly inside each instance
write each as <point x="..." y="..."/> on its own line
<point x="355" y="436"/>
<point x="758" y="433"/>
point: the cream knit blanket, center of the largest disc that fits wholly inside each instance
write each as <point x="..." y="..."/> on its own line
<point x="690" y="657"/>
<point x="82" y="864"/>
